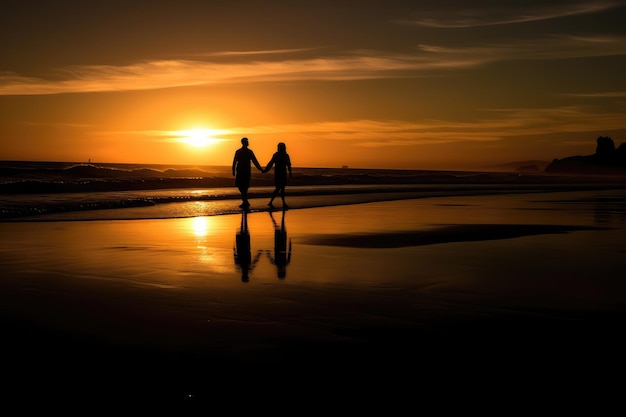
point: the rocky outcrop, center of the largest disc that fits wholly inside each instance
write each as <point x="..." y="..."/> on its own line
<point x="606" y="160"/>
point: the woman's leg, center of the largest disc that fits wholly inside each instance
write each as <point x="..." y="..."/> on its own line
<point x="274" y="194"/>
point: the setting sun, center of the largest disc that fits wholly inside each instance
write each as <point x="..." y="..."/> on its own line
<point x="198" y="137"/>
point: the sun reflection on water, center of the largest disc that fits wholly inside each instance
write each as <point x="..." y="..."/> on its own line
<point x="200" y="227"/>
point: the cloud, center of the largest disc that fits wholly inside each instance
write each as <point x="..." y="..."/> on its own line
<point x="261" y="52"/>
<point x="503" y="123"/>
<point x="550" y="47"/>
<point x="212" y="135"/>
<point x="60" y="125"/>
<point x="359" y="65"/>
<point x="470" y="17"/>
<point x="607" y="94"/>
<point x="495" y="125"/>
<point x="183" y="73"/>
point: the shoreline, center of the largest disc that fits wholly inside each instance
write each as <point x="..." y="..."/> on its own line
<point x="177" y="203"/>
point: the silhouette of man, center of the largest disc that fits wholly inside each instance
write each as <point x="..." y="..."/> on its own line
<point x="242" y="250"/>
<point x="242" y="170"/>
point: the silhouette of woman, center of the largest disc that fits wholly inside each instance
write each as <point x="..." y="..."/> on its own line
<point x="242" y="250"/>
<point x="282" y="247"/>
<point x="282" y="167"/>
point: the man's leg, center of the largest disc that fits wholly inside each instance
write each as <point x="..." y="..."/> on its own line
<point x="244" y="197"/>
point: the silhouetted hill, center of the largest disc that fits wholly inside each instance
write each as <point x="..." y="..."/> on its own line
<point x="533" y="166"/>
<point x="606" y="161"/>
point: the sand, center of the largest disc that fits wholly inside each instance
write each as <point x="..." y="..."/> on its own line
<point x="465" y="302"/>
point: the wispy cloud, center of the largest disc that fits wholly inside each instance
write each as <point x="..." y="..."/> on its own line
<point x="424" y="60"/>
<point x="551" y="47"/>
<point x="182" y="73"/>
<point x="606" y="94"/>
<point x="502" y="124"/>
<point x="60" y="125"/>
<point x="470" y="17"/>
<point x="260" y="52"/>
<point x="498" y="124"/>
<point x="214" y="135"/>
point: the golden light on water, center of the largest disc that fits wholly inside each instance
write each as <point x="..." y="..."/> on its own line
<point x="200" y="226"/>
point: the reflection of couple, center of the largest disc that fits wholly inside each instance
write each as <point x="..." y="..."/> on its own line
<point x="242" y="170"/>
<point x="243" y="253"/>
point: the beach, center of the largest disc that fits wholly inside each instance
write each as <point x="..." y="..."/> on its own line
<point x="519" y="295"/>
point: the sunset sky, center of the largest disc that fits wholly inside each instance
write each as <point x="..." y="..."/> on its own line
<point x="446" y="84"/>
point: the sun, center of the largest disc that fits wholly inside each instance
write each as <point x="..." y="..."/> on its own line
<point x="198" y="138"/>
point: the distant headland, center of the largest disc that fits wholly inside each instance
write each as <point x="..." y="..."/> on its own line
<point x="606" y="160"/>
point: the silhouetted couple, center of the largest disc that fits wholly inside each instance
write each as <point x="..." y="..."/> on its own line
<point x="243" y="249"/>
<point x="242" y="170"/>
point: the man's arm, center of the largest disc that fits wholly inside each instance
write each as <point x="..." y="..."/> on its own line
<point x="256" y="162"/>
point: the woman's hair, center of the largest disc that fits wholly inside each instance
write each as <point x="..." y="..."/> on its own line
<point x="282" y="147"/>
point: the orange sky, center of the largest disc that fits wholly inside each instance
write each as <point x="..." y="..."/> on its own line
<point x="393" y="84"/>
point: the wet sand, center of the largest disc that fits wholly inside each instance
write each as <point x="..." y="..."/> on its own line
<point x="462" y="301"/>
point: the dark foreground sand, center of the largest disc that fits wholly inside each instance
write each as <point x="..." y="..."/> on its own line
<point x="470" y="303"/>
